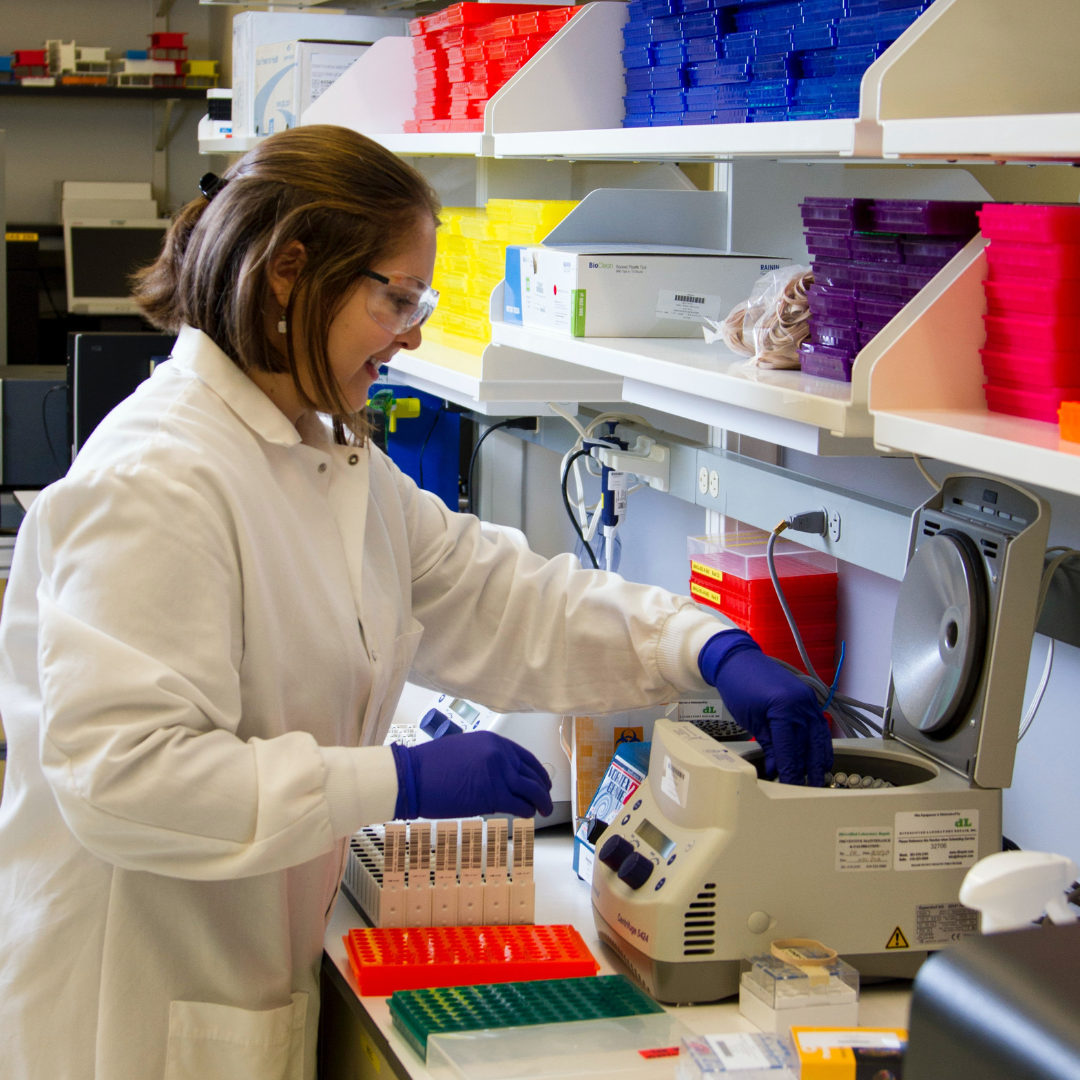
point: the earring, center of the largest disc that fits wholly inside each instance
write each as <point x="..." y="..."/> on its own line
<point x="281" y="327"/>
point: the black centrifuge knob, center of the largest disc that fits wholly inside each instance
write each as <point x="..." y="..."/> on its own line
<point x="614" y="852"/>
<point x="636" y="870"/>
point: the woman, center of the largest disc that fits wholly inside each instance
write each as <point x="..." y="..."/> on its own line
<point x="210" y="619"/>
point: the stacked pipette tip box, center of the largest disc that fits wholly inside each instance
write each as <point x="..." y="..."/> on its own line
<point x="471" y="260"/>
<point x="466" y="52"/>
<point x="1032" y="354"/>
<point x="870" y="257"/>
<point x="723" y="62"/>
<point x="730" y="573"/>
<point x="397" y="878"/>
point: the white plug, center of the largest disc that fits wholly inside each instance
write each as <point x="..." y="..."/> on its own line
<point x="1014" y="888"/>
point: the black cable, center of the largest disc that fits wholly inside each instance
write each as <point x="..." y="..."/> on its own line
<point x="48" y="293"/>
<point x="45" y="425"/>
<point x="771" y="560"/>
<point x="427" y="439"/>
<point x="472" y="459"/>
<point x="569" y="510"/>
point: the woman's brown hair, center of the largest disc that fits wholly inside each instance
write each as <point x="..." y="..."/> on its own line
<point x="344" y="197"/>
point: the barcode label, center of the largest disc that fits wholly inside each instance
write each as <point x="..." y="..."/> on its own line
<point x="687" y="306"/>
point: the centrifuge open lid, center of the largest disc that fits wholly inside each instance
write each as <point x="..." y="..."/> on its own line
<point x="964" y="621"/>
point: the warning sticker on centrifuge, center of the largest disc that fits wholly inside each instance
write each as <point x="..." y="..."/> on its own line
<point x="863" y="847"/>
<point x="687" y="306"/>
<point x="942" y="924"/>
<point x="936" y="840"/>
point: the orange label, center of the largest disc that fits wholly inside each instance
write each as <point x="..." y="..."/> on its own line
<point x="627" y="735"/>
<point x="706" y="571"/>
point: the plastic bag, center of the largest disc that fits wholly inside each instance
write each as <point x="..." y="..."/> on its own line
<point x="770" y="326"/>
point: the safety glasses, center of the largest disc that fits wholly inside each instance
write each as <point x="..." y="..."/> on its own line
<point x="398" y="302"/>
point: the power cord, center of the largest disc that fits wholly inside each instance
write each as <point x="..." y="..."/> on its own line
<point x="45" y="425"/>
<point x="570" y="513"/>
<point x="926" y="475"/>
<point x="848" y="712"/>
<point x="520" y="423"/>
<point x="427" y="439"/>
<point x="1064" y="554"/>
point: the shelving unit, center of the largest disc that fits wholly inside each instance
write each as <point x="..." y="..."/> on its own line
<point x="237" y="145"/>
<point x="503" y="381"/>
<point x="1038" y="137"/>
<point x="926" y="395"/>
<point x="973" y="80"/>
<point x="103" y="93"/>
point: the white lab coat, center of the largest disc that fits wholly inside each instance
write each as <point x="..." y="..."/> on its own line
<point x="206" y="630"/>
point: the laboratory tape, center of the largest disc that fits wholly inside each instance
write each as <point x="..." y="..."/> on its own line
<point x="709" y="862"/>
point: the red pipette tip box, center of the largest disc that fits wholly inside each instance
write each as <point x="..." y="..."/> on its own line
<point x="418" y="958"/>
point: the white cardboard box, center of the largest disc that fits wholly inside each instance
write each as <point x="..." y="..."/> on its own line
<point x="620" y="291"/>
<point x="252" y="29"/>
<point x="290" y="75"/>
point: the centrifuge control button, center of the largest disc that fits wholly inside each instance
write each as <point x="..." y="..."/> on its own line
<point x="636" y="870"/>
<point x="615" y="851"/>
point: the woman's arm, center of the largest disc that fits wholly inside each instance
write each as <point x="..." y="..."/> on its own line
<point x="521" y="632"/>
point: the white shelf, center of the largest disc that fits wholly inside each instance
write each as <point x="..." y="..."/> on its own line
<point x="797" y="138"/>
<point x="240" y="144"/>
<point x="926" y="394"/>
<point x="1029" y="451"/>
<point x="434" y="144"/>
<point x="503" y="381"/>
<point x="710" y="384"/>
<point x="1040" y="137"/>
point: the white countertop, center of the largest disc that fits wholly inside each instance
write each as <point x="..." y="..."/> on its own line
<point x="561" y="897"/>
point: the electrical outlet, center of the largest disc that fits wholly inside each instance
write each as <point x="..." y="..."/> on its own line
<point x="834" y="526"/>
<point x="714" y="484"/>
<point x="703" y="480"/>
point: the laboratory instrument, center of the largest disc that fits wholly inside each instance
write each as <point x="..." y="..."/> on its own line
<point x="422" y="716"/>
<point x="999" y="1007"/>
<point x="710" y="862"/>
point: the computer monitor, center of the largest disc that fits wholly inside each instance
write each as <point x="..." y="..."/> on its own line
<point x="100" y="255"/>
<point x="103" y="369"/>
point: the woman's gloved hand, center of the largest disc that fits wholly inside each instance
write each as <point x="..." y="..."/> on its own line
<point x="469" y="775"/>
<point x="775" y="706"/>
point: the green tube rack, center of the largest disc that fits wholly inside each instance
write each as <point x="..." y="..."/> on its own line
<point x="419" y="1013"/>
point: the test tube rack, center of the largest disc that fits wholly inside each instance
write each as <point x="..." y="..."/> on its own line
<point x="396" y="876"/>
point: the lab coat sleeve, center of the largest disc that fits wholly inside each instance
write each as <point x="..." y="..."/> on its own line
<point x="520" y="632"/>
<point x="140" y="638"/>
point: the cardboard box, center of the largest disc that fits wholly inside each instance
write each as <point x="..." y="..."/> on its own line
<point x="619" y="291"/>
<point x="252" y="29"/>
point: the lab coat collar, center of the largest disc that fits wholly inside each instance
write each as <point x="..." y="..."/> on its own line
<point x="197" y="352"/>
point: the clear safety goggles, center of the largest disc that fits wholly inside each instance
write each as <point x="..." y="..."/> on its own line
<point x="398" y="302"/>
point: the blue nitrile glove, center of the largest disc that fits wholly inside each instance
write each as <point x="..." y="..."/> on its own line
<point x="775" y="706"/>
<point x="467" y="775"/>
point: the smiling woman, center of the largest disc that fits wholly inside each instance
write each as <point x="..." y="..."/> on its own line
<point x="298" y="263"/>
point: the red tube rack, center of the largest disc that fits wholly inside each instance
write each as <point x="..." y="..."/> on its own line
<point x="418" y="958"/>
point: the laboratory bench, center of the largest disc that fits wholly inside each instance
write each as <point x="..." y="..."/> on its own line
<point x="357" y="1040"/>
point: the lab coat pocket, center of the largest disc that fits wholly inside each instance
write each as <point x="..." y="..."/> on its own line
<point x="220" y="1042"/>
